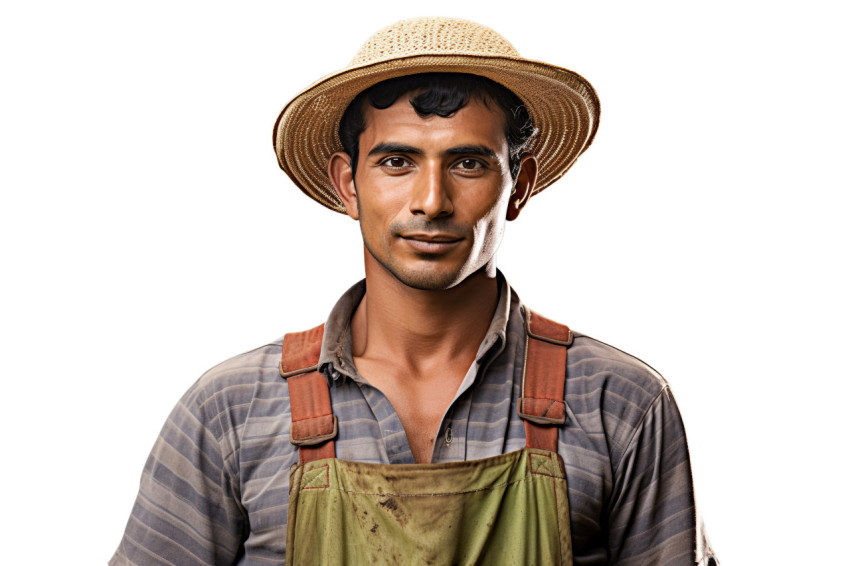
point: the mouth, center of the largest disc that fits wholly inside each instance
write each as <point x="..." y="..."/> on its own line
<point x="431" y="237"/>
<point x="431" y="243"/>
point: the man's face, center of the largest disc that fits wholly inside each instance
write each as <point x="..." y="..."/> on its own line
<point x="432" y="193"/>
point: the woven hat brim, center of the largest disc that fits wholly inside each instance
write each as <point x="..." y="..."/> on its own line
<point x="563" y="105"/>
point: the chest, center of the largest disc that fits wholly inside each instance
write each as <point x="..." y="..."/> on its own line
<point x="484" y="423"/>
<point x="421" y="402"/>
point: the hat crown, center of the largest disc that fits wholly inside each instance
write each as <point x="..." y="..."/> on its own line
<point x="433" y="36"/>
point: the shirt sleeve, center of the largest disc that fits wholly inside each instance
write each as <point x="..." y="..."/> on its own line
<point x="187" y="511"/>
<point x="652" y="514"/>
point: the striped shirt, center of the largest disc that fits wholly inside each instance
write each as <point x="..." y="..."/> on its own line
<point x="215" y="489"/>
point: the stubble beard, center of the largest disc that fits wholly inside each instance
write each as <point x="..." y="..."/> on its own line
<point x="423" y="280"/>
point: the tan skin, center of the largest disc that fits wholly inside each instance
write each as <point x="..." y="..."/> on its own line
<point x="434" y="195"/>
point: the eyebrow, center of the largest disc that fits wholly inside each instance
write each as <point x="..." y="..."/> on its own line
<point x="392" y="147"/>
<point x="480" y="150"/>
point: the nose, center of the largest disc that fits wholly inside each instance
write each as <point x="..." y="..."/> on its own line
<point x="430" y="195"/>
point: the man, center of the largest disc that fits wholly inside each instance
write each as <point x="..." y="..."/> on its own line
<point x="526" y="443"/>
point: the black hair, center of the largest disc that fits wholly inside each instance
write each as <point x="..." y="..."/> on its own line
<point x="442" y="94"/>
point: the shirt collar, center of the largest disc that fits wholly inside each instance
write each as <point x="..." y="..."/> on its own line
<point x="336" y="359"/>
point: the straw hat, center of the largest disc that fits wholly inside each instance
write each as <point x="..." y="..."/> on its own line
<point x="562" y="104"/>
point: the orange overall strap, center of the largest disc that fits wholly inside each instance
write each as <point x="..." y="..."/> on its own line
<point x="314" y="426"/>
<point x="542" y="404"/>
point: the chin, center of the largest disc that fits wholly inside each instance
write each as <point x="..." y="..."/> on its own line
<point x="427" y="280"/>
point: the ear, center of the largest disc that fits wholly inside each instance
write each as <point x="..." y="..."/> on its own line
<point x="339" y="172"/>
<point x="524" y="185"/>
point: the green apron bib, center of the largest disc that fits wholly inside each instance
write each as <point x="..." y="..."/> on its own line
<point x="508" y="509"/>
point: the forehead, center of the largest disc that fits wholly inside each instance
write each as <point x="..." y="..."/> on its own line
<point x="475" y="123"/>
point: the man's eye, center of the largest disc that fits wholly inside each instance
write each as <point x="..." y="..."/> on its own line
<point x="469" y="164"/>
<point x="396" y="162"/>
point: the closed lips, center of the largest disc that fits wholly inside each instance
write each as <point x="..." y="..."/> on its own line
<point x="435" y="238"/>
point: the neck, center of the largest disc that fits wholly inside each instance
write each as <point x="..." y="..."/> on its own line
<point x="413" y="326"/>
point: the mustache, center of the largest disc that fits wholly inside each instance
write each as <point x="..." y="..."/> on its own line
<point x="426" y="226"/>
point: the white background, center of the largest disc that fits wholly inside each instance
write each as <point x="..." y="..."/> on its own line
<point x="148" y="234"/>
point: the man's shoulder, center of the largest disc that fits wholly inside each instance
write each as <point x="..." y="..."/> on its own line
<point x="600" y="365"/>
<point x="609" y="391"/>
<point x="240" y="377"/>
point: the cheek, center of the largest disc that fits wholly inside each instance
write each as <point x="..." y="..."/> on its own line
<point x="493" y="217"/>
<point x="375" y="219"/>
<point x="489" y="230"/>
<point x="491" y="227"/>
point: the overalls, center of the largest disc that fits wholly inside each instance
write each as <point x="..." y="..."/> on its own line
<point x="508" y="509"/>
